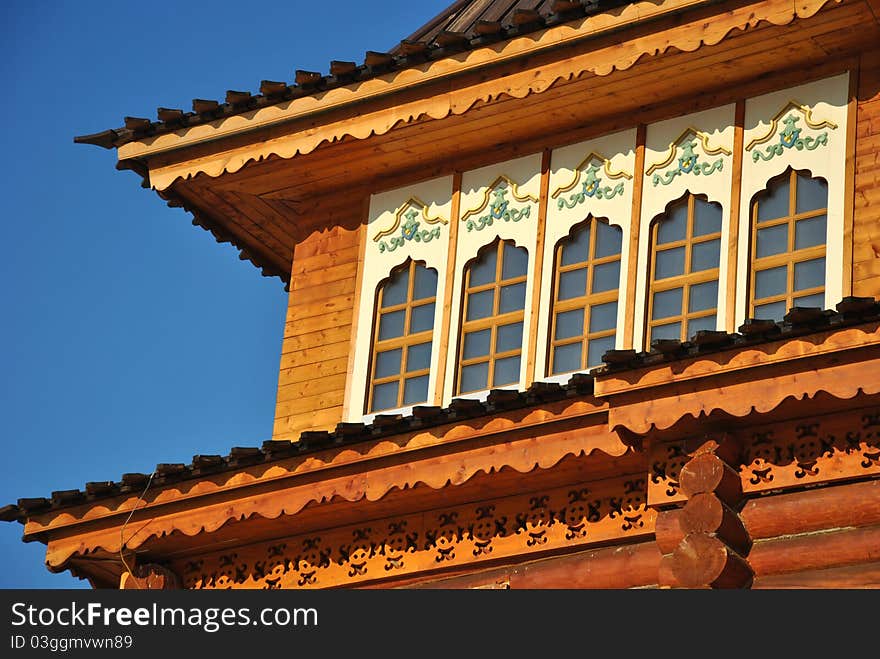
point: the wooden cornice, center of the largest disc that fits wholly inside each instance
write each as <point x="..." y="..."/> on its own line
<point x="376" y="106"/>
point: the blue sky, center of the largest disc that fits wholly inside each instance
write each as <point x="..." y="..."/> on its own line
<point x="130" y="337"/>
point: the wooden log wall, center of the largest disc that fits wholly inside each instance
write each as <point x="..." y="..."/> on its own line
<point x="866" y="221"/>
<point x="320" y="322"/>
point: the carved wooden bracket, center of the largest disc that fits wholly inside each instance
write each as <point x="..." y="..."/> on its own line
<point x="149" y="576"/>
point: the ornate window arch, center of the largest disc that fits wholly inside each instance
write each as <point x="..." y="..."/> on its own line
<point x="401" y="347"/>
<point x="586" y="285"/>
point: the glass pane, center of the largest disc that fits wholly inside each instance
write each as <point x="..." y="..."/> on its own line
<point x="703" y="296"/>
<point x="509" y="337"/>
<point x="606" y="277"/>
<point x="577" y="248"/>
<point x="812" y="194"/>
<point x="770" y="282"/>
<point x="385" y="396"/>
<point x="705" y="256"/>
<point x="808" y="233"/>
<point x="572" y="284"/>
<point x="418" y="357"/>
<point x="772" y="311"/>
<point x="773" y="240"/>
<point x="674" y="226"/>
<point x="609" y="239"/>
<point x="598" y="347"/>
<point x="474" y="377"/>
<point x="388" y="363"/>
<point x="516" y="262"/>
<point x="513" y="298"/>
<point x="394" y="291"/>
<point x="809" y="274"/>
<point x="668" y="331"/>
<point x="421" y="318"/>
<point x="603" y="316"/>
<point x="476" y="344"/>
<point x="483" y="269"/>
<point x="670" y="263"/>
<point x="774" y="203"/>
<point x="707" y="218"/>
<point x="567" y="358"/>
<point x="506" y="371"/>
<point x="666" y="304"/>
<point x="696" y="324"/>
<point x="569" y="324"/>
<point x="814" y="300"/>
<point x="415" y="390"/>
<point x="481" y="305"/>
<point x="391" y="324"/>
<point x="425" y="284"/>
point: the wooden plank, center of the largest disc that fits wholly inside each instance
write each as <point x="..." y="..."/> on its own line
<point x="290" y="427"/>
<point x="537" y="270"/>
<point x="309" y="404"/>
<point x="315" y="355"/>
<point x="303" y="373"/>
<point x="294" y="342"/>
<point x="356" y="304"/>
<point x="634" y="228"/>
<point x="337" y="303"/>
<point x="849" y="182"/>
<point x="323" y="291"/>
<point x="733" y="242"/>
<point x="859" y="576"/>
<point x="814" y="551"/>
<point x="311" y="324"/>
<point x="445" y="330"/>
<point x="335" y="273"/>
<point x="300" y="390"/>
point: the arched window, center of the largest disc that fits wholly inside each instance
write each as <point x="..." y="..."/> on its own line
<point x="789" y="223"/>
<point x="685" y="255"/>
<point x="492" y="326"/>
<point x="402" y="332"/>
<point x="585" y="292"/>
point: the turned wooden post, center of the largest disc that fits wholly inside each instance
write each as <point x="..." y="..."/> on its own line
<point x="704" y="541"/>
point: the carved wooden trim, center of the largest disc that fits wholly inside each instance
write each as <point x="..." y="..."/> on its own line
<point x="149" y="576"/>
<point x="693" y="31"/>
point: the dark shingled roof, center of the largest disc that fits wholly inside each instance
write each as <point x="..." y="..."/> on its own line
<point x="799" y="321"/>
<point x="464" y="25"/>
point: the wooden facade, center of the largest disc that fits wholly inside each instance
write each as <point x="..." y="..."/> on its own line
<point x="745" y="456"/>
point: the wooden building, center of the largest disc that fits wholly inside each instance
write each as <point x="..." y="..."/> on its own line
<point x="582" y="295"/>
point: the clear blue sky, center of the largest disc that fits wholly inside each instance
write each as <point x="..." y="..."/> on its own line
<point x="130" y="337"/>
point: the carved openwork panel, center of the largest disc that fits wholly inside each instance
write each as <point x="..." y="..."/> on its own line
<point x="577" y="515"/>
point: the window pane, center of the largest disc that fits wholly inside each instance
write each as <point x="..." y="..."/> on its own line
<point x="506" y="371"/>
<point x="705" y="256"/>
<point x="812" y="194"/>
<point x="394" y="291"/>
<point x="572" y="284"/>
<point x="814" y="300"/>
<point x="703" y="296"/>
<point x="509" y="337"/>
<point x="670" y="263"/>
<point x="513" y="298"/>
<point x="516" y="262"/>
<point x="696" y="324"/>
<point x="603" y="317"/>
<point x="391" y="324"/>
<point x="598" y="347"/>
<point x="569" y="324"/>
<point x="809" y="274"/>
<point x="577" y="248"/>
<point x="388" y="363"/>
<point x="606" y="277"/>
<point x="668" y="331"/>
<point x="773" y="240"/>
<point x="481" y="305"/>
<point x="425" y="284"/>
<point x="421" y="318"/>
<point x="483" y="269"/>
<point x="474" y="377"/>
<point x="770" y="282"/>
<point x="476" y="344"/>
<point x="415" y="390"/>
<point x="608" y="239"/>
<point x="772" y="311"/>
<point x="666" y="304"/>
<point x="774" y="203"/>
<point x="385" y="396"/>
<point x="674" y="226"/>
<point x="418" y="357"/>
<point x="808" y="233"/>
<point x="567" y="358"/>
<point x="707" y="218"/>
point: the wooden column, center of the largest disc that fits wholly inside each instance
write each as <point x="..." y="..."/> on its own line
<point x="704" y="542"/>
